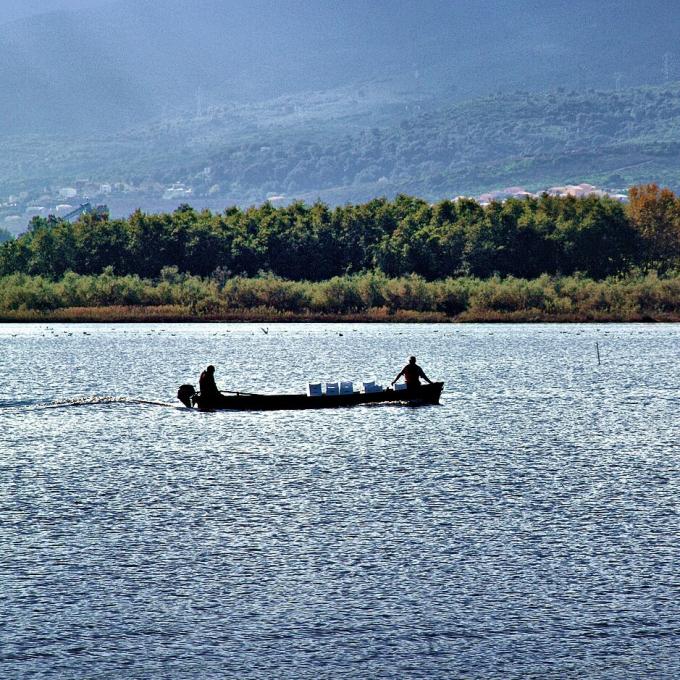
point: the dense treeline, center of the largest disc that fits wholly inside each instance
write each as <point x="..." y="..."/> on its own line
<point x="370" y="296"/>
<point x="522" y="238"/>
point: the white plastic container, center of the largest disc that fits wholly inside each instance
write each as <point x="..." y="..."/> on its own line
<point x="346" y="387"/>
<point x="370" y="387"/>
<point x="399" y="387"/>
<point x="314" y="390"/>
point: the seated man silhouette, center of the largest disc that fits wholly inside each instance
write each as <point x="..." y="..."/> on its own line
<point x="206" y="384"/>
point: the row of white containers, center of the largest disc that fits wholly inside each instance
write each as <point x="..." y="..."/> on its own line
<point x="345" y="387"/>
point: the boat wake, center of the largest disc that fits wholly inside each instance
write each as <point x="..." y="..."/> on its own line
<point x="36" y="405"/>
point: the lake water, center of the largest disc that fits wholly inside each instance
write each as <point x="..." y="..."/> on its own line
<point x="527" y="527"/>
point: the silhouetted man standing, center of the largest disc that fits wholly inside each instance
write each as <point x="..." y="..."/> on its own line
<point x="412" y="374"/>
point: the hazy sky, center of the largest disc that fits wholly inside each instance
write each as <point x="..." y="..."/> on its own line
<point x="17" y="9"/>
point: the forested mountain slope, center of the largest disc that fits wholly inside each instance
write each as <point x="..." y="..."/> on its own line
<point x="242" y="155"/>
<point x="130" y="60"/>
<point x="611" y="138"/>
<point x="304" y="98"/>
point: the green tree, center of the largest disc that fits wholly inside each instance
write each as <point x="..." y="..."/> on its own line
<point x="600" y="242"/>
<point x="101" y="244"/>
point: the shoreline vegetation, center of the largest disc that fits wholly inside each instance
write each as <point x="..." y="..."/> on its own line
<point x="369" y="297"/>
<point x="540" y="259"/>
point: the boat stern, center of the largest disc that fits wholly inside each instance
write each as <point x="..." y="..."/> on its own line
<point x="186" y="394"/>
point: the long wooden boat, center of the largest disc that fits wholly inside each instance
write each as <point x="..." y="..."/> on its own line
<point x="243" y="401"/>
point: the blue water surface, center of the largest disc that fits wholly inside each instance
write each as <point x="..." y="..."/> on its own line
<point x="527" y="527"/>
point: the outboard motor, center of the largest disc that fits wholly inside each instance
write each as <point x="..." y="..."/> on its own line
<point x="185" y="394"/>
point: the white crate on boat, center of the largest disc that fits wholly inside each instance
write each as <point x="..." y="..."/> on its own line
<point x="314" y="390"/>
<point x="332" y="389"/>
<point x="346" y="387"/>
<point x="370" y="387"/>
<point x="399" y="386"/>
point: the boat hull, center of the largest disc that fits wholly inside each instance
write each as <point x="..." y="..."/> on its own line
<point x="425" y="394"/>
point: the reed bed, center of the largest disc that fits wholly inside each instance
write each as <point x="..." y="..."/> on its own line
<point x="362" y="297"/>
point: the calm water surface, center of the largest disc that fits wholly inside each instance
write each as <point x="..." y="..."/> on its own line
<point x="527" y="527"/>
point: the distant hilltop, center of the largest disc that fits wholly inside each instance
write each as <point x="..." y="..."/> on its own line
<point x="576" y="190"/>
<point x="118" y="54"/>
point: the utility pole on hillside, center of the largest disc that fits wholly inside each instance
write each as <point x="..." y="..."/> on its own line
<point x="199" y="103"/>
<point x="668" y="66"/>
<point x="581" y="76"/>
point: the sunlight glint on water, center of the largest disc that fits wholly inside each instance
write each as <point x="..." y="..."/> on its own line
<point x="527" y="526"/>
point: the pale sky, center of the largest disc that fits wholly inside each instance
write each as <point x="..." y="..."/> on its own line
<point x="18" y="9"/>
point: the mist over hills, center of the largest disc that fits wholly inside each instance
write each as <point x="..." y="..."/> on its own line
<point x="11" y="10"/>
<point x="241" y="100"/>
<point x="248" y="153"/>
<point x="130" y="60"/>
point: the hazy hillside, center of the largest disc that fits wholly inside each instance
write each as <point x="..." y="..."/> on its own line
<point x="611" y="138"/>
<point x="11" y="10"/>
<point x="341" y="149"/>
<point x="142" y="103"/>
<point x="122" y="63"/>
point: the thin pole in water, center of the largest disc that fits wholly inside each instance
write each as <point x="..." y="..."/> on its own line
<point x="597" y="349"/>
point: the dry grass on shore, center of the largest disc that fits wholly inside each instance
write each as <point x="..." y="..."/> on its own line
<point x="183" y="314"/>
<point x="370" y="297"/>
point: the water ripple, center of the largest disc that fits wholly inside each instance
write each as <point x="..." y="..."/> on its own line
<point x="526" y="528"/>
<point x="34" y="405"/>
